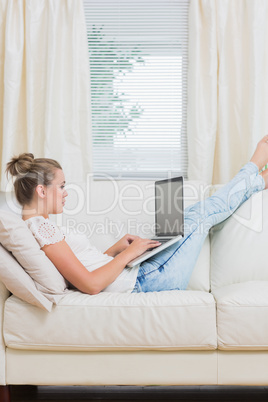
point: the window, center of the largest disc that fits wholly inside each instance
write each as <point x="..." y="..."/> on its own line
<point x="138" y="70"/>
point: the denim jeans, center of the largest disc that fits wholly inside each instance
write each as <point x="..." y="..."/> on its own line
<point x="171" y="268"/>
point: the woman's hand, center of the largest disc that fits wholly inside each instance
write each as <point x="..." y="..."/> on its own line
<point x="139" y="246"/>
<point x="121" y="245"/>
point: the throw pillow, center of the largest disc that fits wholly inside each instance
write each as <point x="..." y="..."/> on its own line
<point x="18" y="239"/>
<point x="18" y="282"/>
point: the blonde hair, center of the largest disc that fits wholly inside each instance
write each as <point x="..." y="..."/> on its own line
<point x="28" y="173"/>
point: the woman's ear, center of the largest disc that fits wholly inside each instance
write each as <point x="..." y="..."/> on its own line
<point x="41" y="191"/>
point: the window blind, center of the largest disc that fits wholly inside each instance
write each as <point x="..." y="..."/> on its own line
<point x="138" y="69"/>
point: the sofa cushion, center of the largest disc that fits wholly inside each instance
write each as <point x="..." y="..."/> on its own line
<point x="239" y="244"/>
<point x="200" y="278"/>
<point x="18" y="239"/>
<point x="155" y="320"/>
<point x="128" y="207"/>
<point x="242" y="316"/>
<point x="18" y="282"/>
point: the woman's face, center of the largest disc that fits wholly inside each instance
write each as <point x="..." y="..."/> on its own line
<point x="56" y="193"/>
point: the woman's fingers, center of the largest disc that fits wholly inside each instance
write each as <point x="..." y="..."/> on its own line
<point x="131" y="238"/>
<point x="153" y="243"/>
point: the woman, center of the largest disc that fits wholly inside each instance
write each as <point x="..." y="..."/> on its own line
<point x="40" y="189"/>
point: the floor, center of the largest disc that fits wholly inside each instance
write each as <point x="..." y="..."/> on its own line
<point x="141" y="394"/>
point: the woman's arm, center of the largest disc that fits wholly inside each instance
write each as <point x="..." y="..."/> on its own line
<point x="93" y="282"/>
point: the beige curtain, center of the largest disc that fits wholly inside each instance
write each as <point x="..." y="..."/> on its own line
<point x="228" y="85"/>
<point x="44" y="84"/>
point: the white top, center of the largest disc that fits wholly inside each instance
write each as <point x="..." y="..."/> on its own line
<point x="46" y="232"/>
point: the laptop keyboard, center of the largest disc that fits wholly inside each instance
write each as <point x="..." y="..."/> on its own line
<point x="162" y="241"/>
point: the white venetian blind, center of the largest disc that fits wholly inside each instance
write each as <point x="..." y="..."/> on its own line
<point x="138" y="69"/>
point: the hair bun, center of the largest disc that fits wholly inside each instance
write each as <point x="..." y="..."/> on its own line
<point x="20" y="165"/>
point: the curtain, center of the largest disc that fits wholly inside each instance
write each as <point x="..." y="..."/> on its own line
<point x="44" y="84"/>
<point x="227" y="111"/>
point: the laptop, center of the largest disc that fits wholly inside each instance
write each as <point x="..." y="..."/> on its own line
<point x="169" y="216"/>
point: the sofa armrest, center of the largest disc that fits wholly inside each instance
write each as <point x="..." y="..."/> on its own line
<point x="4" y="294"/>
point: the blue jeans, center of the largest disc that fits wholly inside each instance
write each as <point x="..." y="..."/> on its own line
<point x="171" y="268"/>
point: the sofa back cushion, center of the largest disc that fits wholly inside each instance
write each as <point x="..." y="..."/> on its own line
<point x="239" y="245"/>
<point x="110" y="209"/>
<point x="200" y="279"/>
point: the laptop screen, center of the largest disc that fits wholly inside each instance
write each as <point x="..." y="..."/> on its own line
<point x="169" y="217"/>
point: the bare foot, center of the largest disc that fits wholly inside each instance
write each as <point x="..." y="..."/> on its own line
<point x="264" y="174"/>
<point x="260" y="156"/>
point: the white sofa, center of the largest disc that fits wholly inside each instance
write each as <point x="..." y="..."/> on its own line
<point x="215" y="332"/>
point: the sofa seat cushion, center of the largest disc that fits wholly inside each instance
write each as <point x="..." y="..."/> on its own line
<point x="242" y="316"/>
<point x="109" y="321"/>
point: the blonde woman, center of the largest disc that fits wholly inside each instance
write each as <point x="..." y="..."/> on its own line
<point x="40" y="189"/>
